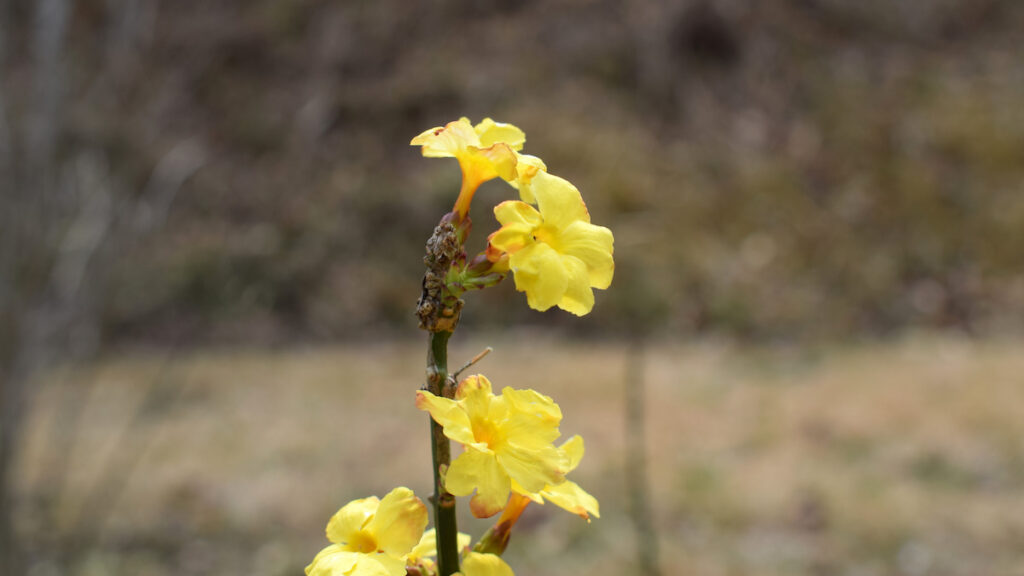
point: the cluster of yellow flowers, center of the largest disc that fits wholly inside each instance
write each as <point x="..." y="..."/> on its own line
<point x="508" y="447"/>
<point x="555" y="254"/>
<point x="373" y="537"/>
<point x="509" y="459"/>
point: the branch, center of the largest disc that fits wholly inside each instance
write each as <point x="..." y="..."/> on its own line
<point x="454" y="378"/>
<point x="443" y="502"/>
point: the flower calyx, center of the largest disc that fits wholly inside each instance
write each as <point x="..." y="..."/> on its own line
<point x="476" y="274"/>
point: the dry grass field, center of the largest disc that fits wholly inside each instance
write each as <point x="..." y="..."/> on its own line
<point x="903" y="457"/>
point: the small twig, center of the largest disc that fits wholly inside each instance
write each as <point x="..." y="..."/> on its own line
<point x="454" y="378"/>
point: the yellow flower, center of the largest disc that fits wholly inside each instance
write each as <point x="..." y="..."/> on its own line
<point x="372" y="537"/>
<point x="485" y="151"/>
<point x="567" y="495"/>
<point x="556" y="255"/>
<point x="506" y="437"/>
<point x="425" y="552"/>
<point x="484" y="565"/>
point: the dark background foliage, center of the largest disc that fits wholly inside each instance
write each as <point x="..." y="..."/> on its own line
<point x="792" y="168"/>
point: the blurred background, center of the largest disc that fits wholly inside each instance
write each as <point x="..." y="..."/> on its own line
<point x="211" y="232"/>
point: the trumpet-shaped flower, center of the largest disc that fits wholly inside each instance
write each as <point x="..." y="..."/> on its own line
<point x="486" y="151"/>
<point x="372" y="537"/>
<point x="476" y="564"/>
<point x="506" y="437"/>
<point x="568" y="495"/>
<point x="556" y="255"/>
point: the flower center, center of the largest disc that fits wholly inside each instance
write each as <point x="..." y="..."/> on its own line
<point x="485" y="431"/>
<point x="362" y="541"/>
<point x="547" y="234"/>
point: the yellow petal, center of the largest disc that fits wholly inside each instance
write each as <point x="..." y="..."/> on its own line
<point x="379" y="565"/>
<point x="520" y="213"/>
<point x="527" y="167"/>
<point x="476" y="564"/>
<point x="558" y="200"/>
<point x="495" y="160"/>
<point x="332" y="561"/>
<point x="399" y="522"/>
<point x="578" y="298"/>
<point x="472" y="384"/>
<point x="534" y="465"/>
<point x="427" y="136"/>
<point x="351" y="518"/>
<point x="594" y="246"/>
<point x="447" y="141"/>
<point x="535" y="404"/>
<point x="511" y="238"/>
<point x="491" y="132"/>
<point x="528" y="432"/>
<point x="477" y="470"/>
<point x="427" y="547"/>
<point x="538" y="271"/>
<point x="533" y="496"/>
<point x="449" y="414"/>
<point x="569" y="496"/>
<point x="573" y="448"/>
<point x="475" y="396"/>
<point x="484" y="411"/>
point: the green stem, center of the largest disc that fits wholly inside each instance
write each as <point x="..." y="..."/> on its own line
<point x="443" y="502"/>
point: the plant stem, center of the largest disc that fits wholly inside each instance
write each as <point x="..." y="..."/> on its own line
<point x="443" y="502"/>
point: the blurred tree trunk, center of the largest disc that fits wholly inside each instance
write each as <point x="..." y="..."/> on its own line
<point x="31" y="204"/>
<point x="61" y="209"/>
<point x="637" y="483"/>
<point x="9" y="551"/>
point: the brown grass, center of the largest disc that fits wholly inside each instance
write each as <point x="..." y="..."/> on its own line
<point x="886" y="458"/>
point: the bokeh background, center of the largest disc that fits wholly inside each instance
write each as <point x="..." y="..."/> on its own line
<point x="212" y="232"/>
